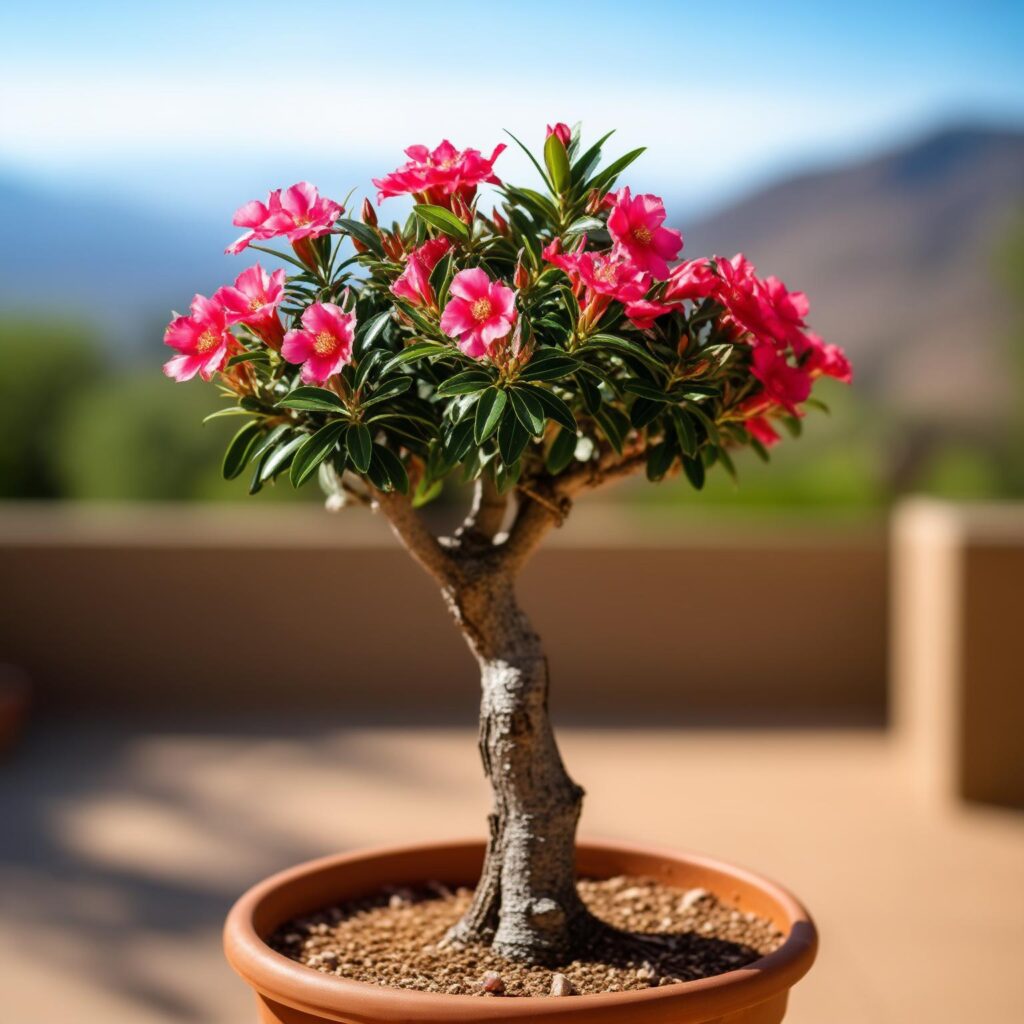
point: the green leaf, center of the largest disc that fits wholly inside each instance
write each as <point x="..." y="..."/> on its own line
<point x="556" y="409"/>
<point x="442" y="219"/>
<point x="533" y="159"/>
<point x="360" y="446"/>
<point x="421" y="350"/>
<point x="368" y="334"/>
<point x="694" y="470"/>
<point x="280" y="457"/>
<point x="557" y="161"/>
<point x="458" y="443"/>
<point x="270" y="440"/>
<point x="312" y="399"/>
<point x="644" y="411"/>
<point x="528" y="410"/>
<point x="249" y="357"/>
<point x="624" y="346"/>
<point x="231" y="410"/>
<point x="659" y="460"/>
<point x="240" y="449"/>
<point x="706" y="421"/>
<point x="314" y="450"/>
<point x="489" y="410"/>
<point x="426" y="491"/>
<point x="614" y="424"/>
<point x="644" y="390"/>
<point x="549" y="364"/>
<point x="685" y="432"/>
<point x="585" y="163"/>
<point x="584" y="225"/>
<point x="604" y="180"/>
<point x="465" y="383"/>
<point x="363" y="233"/>
<point x="561" y="451"/>
<point x="396" y="386"/>
<point x="513" y="438"/>
<point x="385" y="463"/>
<point x="365" y="365"/>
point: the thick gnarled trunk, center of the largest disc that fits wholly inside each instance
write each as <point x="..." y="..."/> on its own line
<point x="526" y="905"/>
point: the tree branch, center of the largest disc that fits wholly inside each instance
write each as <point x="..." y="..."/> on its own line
<point x="542" y="505"/>
<point x="487" y="513"/>
<point x="408" y="526"/>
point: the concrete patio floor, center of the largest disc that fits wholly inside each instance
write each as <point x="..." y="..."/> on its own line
<point x="123" y="845"/>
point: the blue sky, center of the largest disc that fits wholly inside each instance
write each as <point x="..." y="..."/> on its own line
<point x="193" y="105"/>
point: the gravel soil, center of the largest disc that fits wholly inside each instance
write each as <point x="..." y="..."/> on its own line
<point x="665" y="936"/>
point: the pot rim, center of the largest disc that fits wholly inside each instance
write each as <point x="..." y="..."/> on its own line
<point x="276" y="976"/>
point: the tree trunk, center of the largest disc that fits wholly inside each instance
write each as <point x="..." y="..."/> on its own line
<point x="526" y="905"/>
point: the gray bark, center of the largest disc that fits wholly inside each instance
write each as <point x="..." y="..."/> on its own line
<point x="526" y="904"/>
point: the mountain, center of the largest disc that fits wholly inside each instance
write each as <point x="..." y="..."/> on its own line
<point x="107" y="262"/>
<point x="899" y="256"/>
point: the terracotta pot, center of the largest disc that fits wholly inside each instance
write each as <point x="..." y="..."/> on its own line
<point x="289" y="993"/>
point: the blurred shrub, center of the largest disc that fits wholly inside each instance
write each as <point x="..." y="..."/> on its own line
<point x="45" y="365"/>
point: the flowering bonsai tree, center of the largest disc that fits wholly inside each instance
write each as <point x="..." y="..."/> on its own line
<point x="539" y="349"/>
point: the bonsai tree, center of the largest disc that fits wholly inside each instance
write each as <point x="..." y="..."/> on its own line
<point x="537" y="350"/>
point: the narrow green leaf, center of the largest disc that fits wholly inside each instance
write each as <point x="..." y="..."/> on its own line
<point x="312" y="399"/>
<point x="363" y="233"/>
<point x="625" y="347"/>
<point x="557" y="161"/>
<point x="280" y="457"/>
<point x="513" y="438"/>
<point x="644" y="390"/>
<point x="685" y="432"/>
<point x="584" y="225"/>
<point x="604" y="180"/>
<point x="365" y="365"/>
<point x="360" y="446"/>
<point x="442" y="219"/>
<point x="371" y="331"/>
<point x="549" y="364"/>
<point x="643" y="411"/>
<point x="694" y="470"/>
<point x="397" y="386"/>
<point x="561" y="451"/>
<point x="489" y="410"/>
<point x="240" y="449"/>
<point x="313" y="451"/>
<point x="555" y="408"/>
<point x="232" y="410"/>
<point x="465" y="383"/>
<point x="583" y="166"/>
<point x="426" y="492"/>
<point x="528" y="410"/>
<point x="393" y="470"/>
<point x="458" y="442"/>
<point x="533" y="159"/>
<point x="659" y="460"/>
<point x="614" y="425"/>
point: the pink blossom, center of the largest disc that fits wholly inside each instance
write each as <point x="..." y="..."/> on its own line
<point x="612" y="275"/>
<point x="434" y="176"/>
<point x="787" y="312"/>
<point x="202" y="340"/>
<point x="761" y="429"/>
<point x="740" y="291"/>
<point x="324" y="345"/>
<point x="691" y="279"/>
<point x="635" y="224"/>
<point x="253" y="301"/>
<point x="644" y="312"/>
<point x="414" y="282"/>
<point x="827" y="360"/>
<point x="783" y="384"/>
<point x="567" y="262"/>
<point x="298" y="212"/>
<point x="479" y="312"/>
<point x="562" y="131"/>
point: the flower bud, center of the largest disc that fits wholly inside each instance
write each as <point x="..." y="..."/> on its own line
<point x="521" y="277"/>
<point x="594" y="202"/>
<point x="500" y="224"/>
<point x="369" y="214"/>
<point x="460" y="209"/>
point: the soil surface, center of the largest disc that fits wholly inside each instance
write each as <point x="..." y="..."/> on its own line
<point x="665" y="936"/>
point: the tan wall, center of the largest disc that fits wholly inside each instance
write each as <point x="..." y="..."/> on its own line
<point x="958" y="651"/>
<point x="291" y="608"/>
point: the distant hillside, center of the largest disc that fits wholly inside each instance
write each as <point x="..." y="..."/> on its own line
<point x="109" y="263"/>
<point x="898" y="256"/>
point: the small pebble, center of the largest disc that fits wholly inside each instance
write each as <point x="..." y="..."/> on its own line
<point x="561" y="985"/>
<point x="691" y="899"/>
<point x="492" y="982"/>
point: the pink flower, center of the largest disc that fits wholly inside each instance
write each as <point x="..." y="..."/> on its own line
<point x="612" y="275"/>
<point x="827" y="360"/>
<point x="298" y="212"/>
<point x="783" y="384"/>
<point x="324" y="346"/>
<point x="787" y="312"/>
<point x="414" y="282"/>
<point x="644" y="312"/>
<point x="567" y="262"/>
<point x="761" y="429"/>
<point x="253" y="301"/>
<point x="562" y="131"/>
<point x="434" y="176"/>
<point x="202" y="339"/>
<point x="691" y="279"/>
<point x="635" y="224"/>
<point x="740" y="291"/>
<point x="479" y="312"/>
